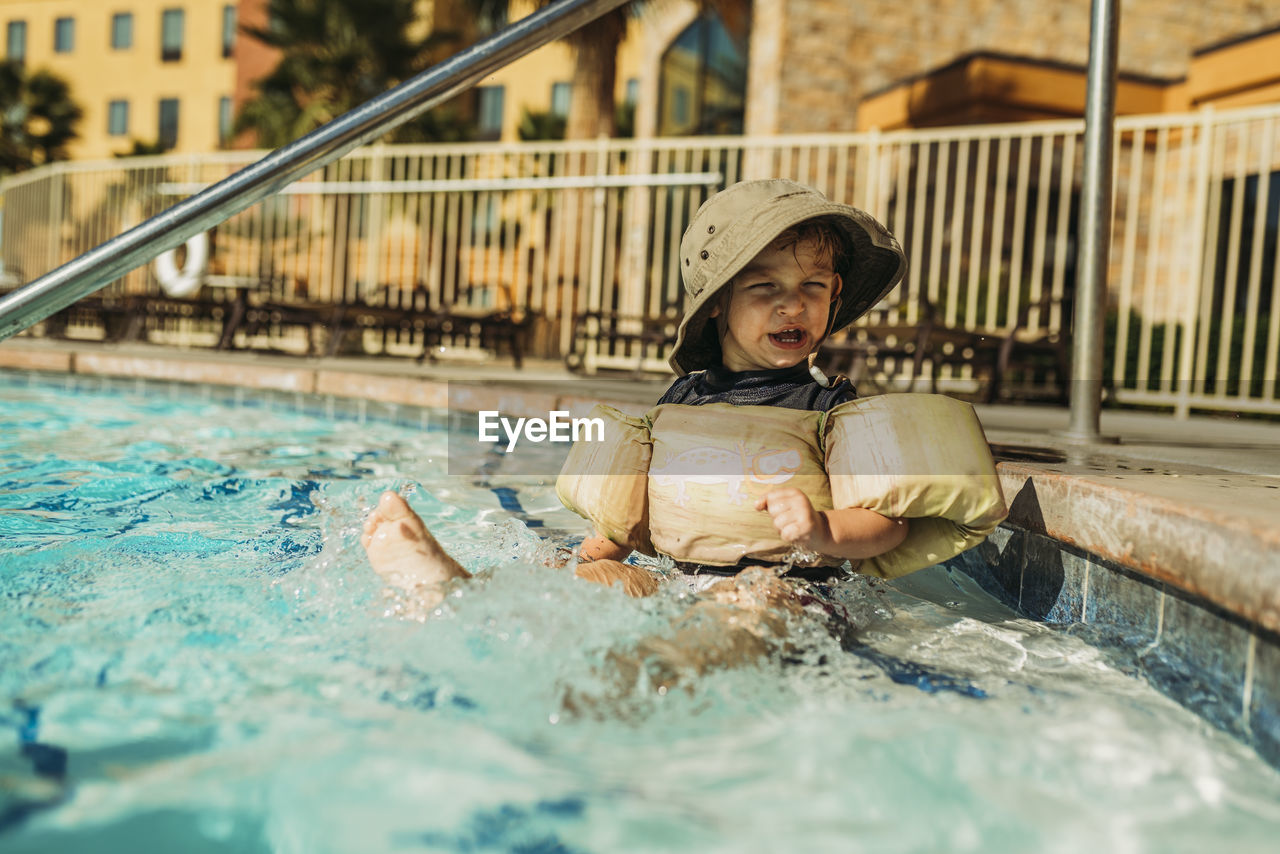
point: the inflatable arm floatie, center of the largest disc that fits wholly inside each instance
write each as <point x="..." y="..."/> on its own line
<point x="683" y="480"/>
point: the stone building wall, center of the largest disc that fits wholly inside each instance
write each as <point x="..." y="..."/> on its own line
<point x="811" y="61"/>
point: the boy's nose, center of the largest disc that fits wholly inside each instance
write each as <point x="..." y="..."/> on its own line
<point x="790" y="303"/>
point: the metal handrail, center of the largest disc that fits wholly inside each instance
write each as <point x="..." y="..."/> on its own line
<point x="100" y="266"/>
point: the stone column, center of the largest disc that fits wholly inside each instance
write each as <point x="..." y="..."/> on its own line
<point x="764" y="80"/>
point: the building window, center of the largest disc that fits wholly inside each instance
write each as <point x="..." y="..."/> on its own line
<point x="489" y="112"/>
<point x="16" y="41"/>
<point x="228" y="30"/>
<point x="491" y="17"/>
<point x="64" y="35"/>
<point x="118" y="118"/>
<point x="171" y="22"/>
<point x="702" y="81"/>
<point x="633" y="92"/>
<point x="224" y="120"/>
<point x="122" y="31"/>
<point x="168" y="130"/>
<point x="680" y="106"/>
<point x="560" y="94"/>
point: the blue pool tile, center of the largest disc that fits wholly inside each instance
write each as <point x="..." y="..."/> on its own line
<point x="1200" y="660"/>
<point x="1052" y="581"/>
<point x="1008" y="548"/>
<point x="1264" y="704"/>
<point x="1122" y="607"/>
<point x="383" y="411"/>
<point x="996" y="564"/>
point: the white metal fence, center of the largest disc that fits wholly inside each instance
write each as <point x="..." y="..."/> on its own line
<point x="582" y="237"/>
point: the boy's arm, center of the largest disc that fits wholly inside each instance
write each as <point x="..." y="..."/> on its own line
<point x="601" y="548"/>
<point x="853" y="533"/>
<point x="593" y="549"/>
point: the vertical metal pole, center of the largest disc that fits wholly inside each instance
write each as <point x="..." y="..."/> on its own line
<point x="1095" y="224"/>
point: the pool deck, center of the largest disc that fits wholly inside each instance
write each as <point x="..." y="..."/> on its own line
<point x="1193" y="503"/>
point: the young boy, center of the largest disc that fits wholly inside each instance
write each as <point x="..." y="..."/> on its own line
<point x="771" y="269"/>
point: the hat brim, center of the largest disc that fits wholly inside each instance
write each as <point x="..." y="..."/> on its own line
<point x="876" y="265"/>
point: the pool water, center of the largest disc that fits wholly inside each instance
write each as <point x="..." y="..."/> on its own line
<point x="189" y="623"/>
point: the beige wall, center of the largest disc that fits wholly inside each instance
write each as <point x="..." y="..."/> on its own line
<point x="984" y="89"/>
<point x="813" y="61"/>
<point x="98" y="74"/>
<point x="1239" y="74"/>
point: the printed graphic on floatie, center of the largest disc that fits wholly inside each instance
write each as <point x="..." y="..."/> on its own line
<point x="712" y="464"/>
<point x="709" y="465"/>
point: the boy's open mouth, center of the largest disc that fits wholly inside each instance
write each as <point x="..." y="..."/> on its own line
<point x="789" y="338"/>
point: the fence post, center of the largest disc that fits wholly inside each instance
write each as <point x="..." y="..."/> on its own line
<point x="57" y="189"/>
<point x="373" y="231"/>
<point x="871" y="191"/>
<point x="595" y="283"/>
<point x="1191" y="313"/>
<point x="634" y="283"/>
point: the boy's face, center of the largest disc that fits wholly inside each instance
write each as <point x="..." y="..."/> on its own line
<point x="776" y="311"/>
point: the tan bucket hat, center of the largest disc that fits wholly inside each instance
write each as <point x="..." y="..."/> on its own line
<point x="739" y="222"/>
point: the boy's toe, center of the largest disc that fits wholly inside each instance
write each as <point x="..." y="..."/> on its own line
<point x="392" y="507"/>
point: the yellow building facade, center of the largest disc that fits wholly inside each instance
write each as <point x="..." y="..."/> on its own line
<point x="151" y="71"/>
<point x="121" y="84"/>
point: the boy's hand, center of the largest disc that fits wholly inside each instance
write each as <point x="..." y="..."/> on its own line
<point x="796" y="520"/>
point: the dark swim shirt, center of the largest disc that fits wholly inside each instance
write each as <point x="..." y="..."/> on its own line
<point x="790" y="388"/>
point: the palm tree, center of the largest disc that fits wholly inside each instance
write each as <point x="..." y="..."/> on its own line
<point x="37" y="118"/>
<point x="334" y="56"/>
<point x="595" y="74"/>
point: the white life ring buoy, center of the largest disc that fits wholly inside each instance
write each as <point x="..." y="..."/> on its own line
<point x="185" y="282"/>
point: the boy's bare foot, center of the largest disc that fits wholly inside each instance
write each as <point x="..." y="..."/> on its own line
<point x="402" y="550"/>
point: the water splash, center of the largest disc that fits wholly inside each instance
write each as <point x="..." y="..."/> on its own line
<point x="798" y="555"/>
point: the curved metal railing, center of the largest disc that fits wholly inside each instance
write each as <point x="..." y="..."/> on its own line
<point x="96" y="268"/>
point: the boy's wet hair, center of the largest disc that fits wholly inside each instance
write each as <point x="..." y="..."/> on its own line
<point x="831" y="242"/>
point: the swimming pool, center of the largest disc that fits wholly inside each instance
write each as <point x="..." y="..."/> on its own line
<point x="187" y="614"/>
